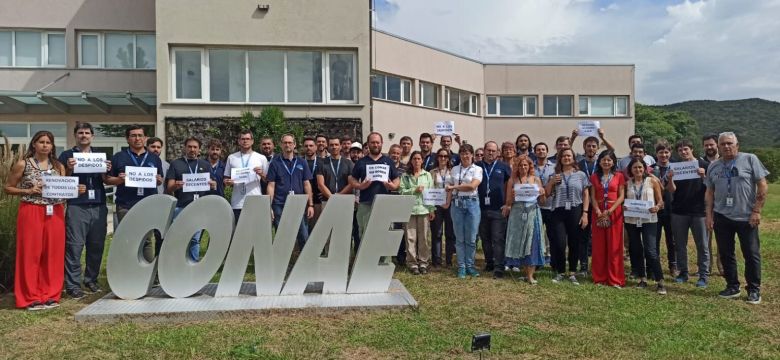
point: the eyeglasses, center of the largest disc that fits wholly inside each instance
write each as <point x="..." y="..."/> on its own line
<point x="443" y="156"/>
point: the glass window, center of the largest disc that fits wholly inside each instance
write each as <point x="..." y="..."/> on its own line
<point x="342" y="81"/>
<point x="188" y="74"/>
<point x="266" y="76"/>
<point x="60" y="131"/>
<point x="583" y="105"/>
<point x="28" y="48"/>
<point x="145" y="52"/>
<point x="407" y="90"/>
<point x="622" y="106"/>
<point x="393" y="88"/>
<point x="491" y="105"/>
<point x="465" y="102"/>
<point x="602" y="106"/>
<point x="119" y="51"/>
<point x="530" y="105"/>
<point x="378" y="86"/>
<point x="89" y="50"/>
<point x="511" y="105"/>
<point x="56" y="49"/>
<point x="565" y="105"/>
<point x="304" y="76"/>
<point x="227" y="71"/>
<point x="452" y="100"/>
<point x="557" y="105"/>
<point x="14" y="130"/>
<point x="5" y="48"/>
<point x="474" y="104"/>
<point x="118" y="130"/>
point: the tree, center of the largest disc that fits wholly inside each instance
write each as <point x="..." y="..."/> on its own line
<point x="270" y="122"/>
<point x="654" y="124"/>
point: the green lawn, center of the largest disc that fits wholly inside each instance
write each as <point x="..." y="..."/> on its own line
<point x="544" y="321"/>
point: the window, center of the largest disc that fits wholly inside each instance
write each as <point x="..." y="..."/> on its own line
<point x="388" y="87"/>
<point x="603" y="106"/>
<point x="342" y="74"/>
<point x="20" y="134"/>
<point x="460" y="101"/>
<point x="558" y="105"/>
<point x="29" y="48"/>
<point x="429" y="95"/>
<point x="227" y="78"/>
<point x="304" y="76"/>
<point x="187" y="71"/>
<point x="117" y="50"/>
<point x="266" y="76"/>
<point x="512" y="105"/>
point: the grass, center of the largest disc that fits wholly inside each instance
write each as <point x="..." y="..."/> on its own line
<point x="537" y="322"/>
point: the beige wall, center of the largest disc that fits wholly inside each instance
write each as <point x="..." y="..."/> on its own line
<point x="401" y="119"/>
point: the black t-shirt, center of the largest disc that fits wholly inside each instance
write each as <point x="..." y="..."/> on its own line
<point x="335" y="173"/>
<point x="689" y="196"/>
<point x="660" y="172"/>
<point x="182" y="166"/>
<point x="376" y="187"/>
<point x="314" y="166"/>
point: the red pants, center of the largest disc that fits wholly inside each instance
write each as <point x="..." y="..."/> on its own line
<point x="607" y="251"/>
<point x="40" y="254"/>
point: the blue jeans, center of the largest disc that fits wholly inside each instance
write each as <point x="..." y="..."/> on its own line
<point x="465" y="221"/>
<point x="303" y="230"/>
<point x="194" y="248"/>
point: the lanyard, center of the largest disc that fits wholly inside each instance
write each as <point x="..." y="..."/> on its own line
<point x="246" y="163"/>
<point x="606" y="190"/>
<point x="289" y="171"/>
<point x="427" y="161"/>
<point x="314" y="166"/>
<point x="192" y="170"/>
<point x="487" y="174"/>
<point x="215" y="170"/>
<point x="443" y="177"/>
<point x="566" y="184"/>
<point x="135" y="160"/>
<point x="638" y="193"/>
<point x="729" y="174"/>
<point x="541" y="171"/>
<point x="336" y="172"/>
<point x="662" y="170"/>
<point x="38" y="166"/>
<point x="77" y="150"/>
<point x="463" y="173"/>
<point x="589" y="170"/>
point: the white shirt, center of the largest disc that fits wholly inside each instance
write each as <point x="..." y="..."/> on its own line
<point x="240" y="191"/>
<point x="460" y="176"/>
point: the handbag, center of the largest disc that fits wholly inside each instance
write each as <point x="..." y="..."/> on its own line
<point x="604" y="222"/>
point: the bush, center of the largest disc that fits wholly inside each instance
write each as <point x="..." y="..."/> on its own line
<point x="9" y="206"/>
<point x="770" y="157"/>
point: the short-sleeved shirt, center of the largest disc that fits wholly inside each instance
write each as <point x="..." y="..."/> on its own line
<point x="570" y="189"/>
<point x="336" y="173"/>
<point x="314" y="167"/>
<point x="165" y="166"/>
<point x="251" y="160"/>
<point x="588" y="167"/>
<point x="495" y="176"/>
<point x="376" y="188"/>
<point x="91" y="181"/>
<point x="429" y="162"/>
<point x="125" y="196"/>
<point x="688" y="198"/>
<point x="183" y="166"/>
<point x="460" y="175"/>
<point x="623" y="163"/>
<point x="544" y="173"/>
<point x="660" y="172"/>
<point x="288" y="176"/>
<point x="218" y="175"/>
<point x="745" y="171"/>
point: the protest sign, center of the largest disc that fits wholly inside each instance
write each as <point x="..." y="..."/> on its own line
<point x="588" y="128"/>
<point x="434" y="197"/>
<point x="60" y="187"/>
<point x="378" y="172"/>
<point x="141" y="177"/>
<point x="685" y="170"/>
<point x="196" y="182"/>
<point x="90" y="163"/>
<point x="444" y="128"/>
<point x="637" y="208"/>
<point x="526" y="192"/>
<point x="241" y="175"/>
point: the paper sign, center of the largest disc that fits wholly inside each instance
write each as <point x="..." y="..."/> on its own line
<point x="196" y="182"/>
<point x="89" y="163"/>
<point x="241" y="175"/>
<point x="141" y="177"/>
<point x="685" y="170"/>
<point x="526" y="192"/>
<point x="378" y="172"/>
<point x="637" y="208"/>
<point x="434" y="197"/>
<point x="60" y="187"/>
<point x="588" y="128"/>
<point x="444" y="128"/>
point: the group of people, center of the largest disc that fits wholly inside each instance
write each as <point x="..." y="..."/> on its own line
<point x="529" y="208"/>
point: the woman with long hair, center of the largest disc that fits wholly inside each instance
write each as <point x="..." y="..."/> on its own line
<point x="607" y="194"/>
<point x="40" y="227"/>
<point x="463" y="196"/>
<point x="442" y="222"/>
<point x="413" y="182"/>
<point x="524" y="245"/>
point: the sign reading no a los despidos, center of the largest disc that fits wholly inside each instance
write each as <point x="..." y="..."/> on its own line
<point x="89" y="163"/>
<point x="141" y="177"/>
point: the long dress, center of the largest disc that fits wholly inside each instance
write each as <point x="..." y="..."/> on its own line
<point x="524" y="245"/>
<point x="607" y="248"/>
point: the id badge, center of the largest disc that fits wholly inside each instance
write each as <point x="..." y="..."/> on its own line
<point x="195" y="197"/>
<point x="49" y="210"/>
<point x="639" y="223"/>
<point x="140" y="191"/>
<point x="91" y="194"/>
<point x="487" y="200"/>
<point x="457" y="202"/>
<point x="524" y="216"/>
<point x="568" y="205"/>
<point x="291" y="192"/>
<point x="242" y="189"/>
<point x="729" y="201"/>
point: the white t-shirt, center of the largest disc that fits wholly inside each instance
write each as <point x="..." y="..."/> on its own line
<point x="240" y="191"/>
<point x="460" y="176"/>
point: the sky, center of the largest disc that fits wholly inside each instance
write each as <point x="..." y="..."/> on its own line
<point x="683" y="50"/>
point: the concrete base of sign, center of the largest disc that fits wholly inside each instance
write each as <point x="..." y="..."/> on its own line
<point x="157" y="307"/>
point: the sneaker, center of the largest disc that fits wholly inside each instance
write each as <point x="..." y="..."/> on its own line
<point x="473" y="272"/>
<point x="533" y="282"/>
<point x="573" y="280"/>
<point x="661" y="290"/>
<point x="415" y="271"/>
<point x="516" y="269"/>
<point x="642" y="284"/>
<point x="681" y="279"/>
<point x="583" y="273"/>
<point x="702" y="283"/>
<point x="50" y="304"/>
<point x="507" y="268"/>
<point x="730" y="293"/>
<point x="558" y="278"/>
<point x="498" y="274"/>
<point x="423" y="270"/>
<point x="93" y="287"/>
<point x="616" y="286"/>
<point x="75" y="293"/>
<point x="754" y="297"/>
<point x="461" y="273"/>
<point x="35" y="306"/>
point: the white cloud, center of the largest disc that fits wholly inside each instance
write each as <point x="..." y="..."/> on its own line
<point x="683" y="50"/>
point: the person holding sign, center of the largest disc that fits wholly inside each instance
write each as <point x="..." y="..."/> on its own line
<point x="524" y="245"/>
<point x="606" y="197"/>
<point x="663" y="152"/>
<point x="463" y="196"/>
<point x="442" y="222"/>
<point x="289" y="175"/>
<point x="381" y="180"/>
<point x="492" y="225"/>
<point x="40" y="227"/>
<point x="85" y="218"/>
<point x="243" y="171"/>
<point x="414" y="182"/>
<point x="646" y="192"/>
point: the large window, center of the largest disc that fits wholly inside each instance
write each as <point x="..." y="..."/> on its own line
<point x="388" y="87"/>
<point x="27" y="48"/>
<point x="264" y="76"/>
<point x="603" y="106"/>
<point x="117" y="50"/>
<point x="511" y="105"/>
<point x="428" y="95"/>
<point x="558" y="105"/>
<point x="20" y="134"/>
<point x="461" y="101"/>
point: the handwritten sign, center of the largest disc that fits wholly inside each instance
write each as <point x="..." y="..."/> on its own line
<point x="141" y="177"/>
<point x="242" y="175"/>
<point x="60" y="187"/>
<point x="685" y="170"/>
<point x="526" y="192"/>
<point x="444" y="128"/>
<point x="435" y="197"/>
<point x="588" y="128"/>
<point x="378" y="172"/>
<point x="196" y="182"/>
<point x="637" y="208"/>
<point x="90" y="163"/>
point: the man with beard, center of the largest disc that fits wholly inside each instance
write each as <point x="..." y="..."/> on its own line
<point x="426" y="147"/>
<point x="245" y="158"/>
<point x="562" y="142"/>
<point x="523" y="146"/>
<point x="370" y="189"/>
<point x="346" y="145"/>
<point x="710" y="145"/>
<point x="287" y="175"/>
<point x="322" y="146"/>
<point x="492" y="225"/>
<point x="267" y="147"/>
<point x="310" y="148"/>
<point x="633" y="140"/>
<point x="217" y="166"/>
<point x="355" y="153"/>
<point x="601" y="138"/>
<point x="446" y="143"/>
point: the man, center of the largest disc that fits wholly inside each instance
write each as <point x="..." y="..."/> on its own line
<point x="587" y="164"/>
<point x="244" y="158"/>
<point x="426" y="150"/>
<point x="322" y="146"/>
<point x="188" y="164"/>
<point x="663" y="151"/>
<point x="736" y="193"/>
<point x="710" y="145"/>
<point x="310" y="149"/>
<point x="406" y="148"/>
<point x="446" y="143"/>
<point x="217" y="166"/>
<point x="85" y="219"/>
<point x="369" y="189"/>
<point x="355" y="153"/>
<point x="346" y="145"/>
<point x="492" y="192"/>
<point x="523" y="146"/>
<point x="638" y="152"/>
<point x="607" y="143"/>
<point x="562" y="142"/>
<point x="125" y="197"/>
<point x="333" y="173"/>
<point x="479" y="154"/>
<point x="688" y="212"/>
<point x="287" y="175"/>
<point x="633" y="140"/>
<point x="395" y="154"/>
<point x="267" y="147"/>
<point x="155" y="145"/>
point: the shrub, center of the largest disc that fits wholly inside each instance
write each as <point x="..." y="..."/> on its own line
<point x="9" y="206"/>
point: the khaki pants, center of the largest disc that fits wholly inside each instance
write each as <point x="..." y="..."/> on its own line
<point x="418" y="249"/>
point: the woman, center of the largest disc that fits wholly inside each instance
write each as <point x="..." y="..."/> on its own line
<point x="642" y="231"/>
<point x="442" y="222"/>
<point x="606" y="196"/>
<point x="524" y="245"/>
<point x="40" y="227"/>
<point x="462" y="196"/>
<point x="413" y="182"/>
<point x="544" y="169"/>
<point x="570" y="204"/>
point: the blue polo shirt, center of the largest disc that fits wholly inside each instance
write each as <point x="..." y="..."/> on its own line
<point x="287" y="175"/>
<point x="126" y="197"/>
<point x="429" y="162"/>
<point x="376" y="187"/>
<point x="218" y="175"/>
<point x="494" y="177"/>
<point x="92" y="181"/>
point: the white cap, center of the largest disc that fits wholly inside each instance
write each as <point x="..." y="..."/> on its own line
<point x="356" y="145"/>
